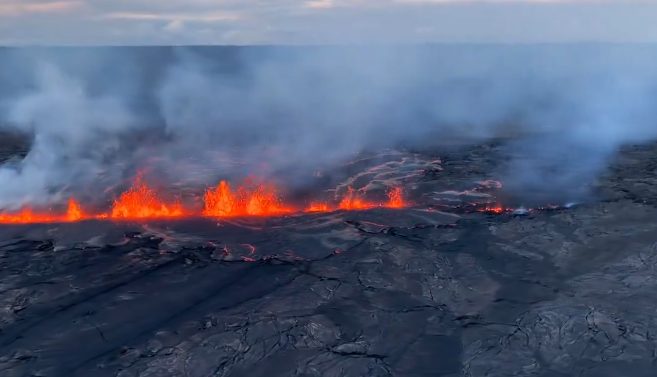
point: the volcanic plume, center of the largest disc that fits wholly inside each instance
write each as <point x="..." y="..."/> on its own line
<point x="196" y="116"/>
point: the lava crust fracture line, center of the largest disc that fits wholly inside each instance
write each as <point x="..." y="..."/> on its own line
<point x="142" y="202"/>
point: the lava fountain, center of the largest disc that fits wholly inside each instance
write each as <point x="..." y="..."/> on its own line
<point x="143" y="202"/>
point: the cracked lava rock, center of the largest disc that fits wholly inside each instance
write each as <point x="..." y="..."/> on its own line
<point x="423" y="291"/>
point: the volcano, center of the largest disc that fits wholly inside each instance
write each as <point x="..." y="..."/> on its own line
<point x="465" y="210"/>
<point x="441" y="276"/>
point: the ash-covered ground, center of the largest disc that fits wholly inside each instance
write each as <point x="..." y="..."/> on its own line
<point x="439" y="289"/>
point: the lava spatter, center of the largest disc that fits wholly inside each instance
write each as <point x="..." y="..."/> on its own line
<point x="143" y="202"/>
<point x="261" y="200"/>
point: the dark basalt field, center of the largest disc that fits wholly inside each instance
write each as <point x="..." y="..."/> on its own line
<point x="439" y="289"/>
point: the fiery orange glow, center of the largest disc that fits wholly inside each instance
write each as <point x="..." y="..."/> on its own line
<point x="262" y="200"/>
<point x="496" y="209"/>
<point x="219" y="201"/>
<point x="141" y="201"/>
<point x="28" y="216"/>
<point x="25" y="216"/>
<point x="74" y="211"/>
<point x="352" y="201"/>
<point x="396" y="198"/>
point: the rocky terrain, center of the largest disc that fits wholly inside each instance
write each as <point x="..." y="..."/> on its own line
<point x="439" y="289"/>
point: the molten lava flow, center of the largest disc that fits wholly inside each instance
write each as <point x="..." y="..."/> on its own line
<point x="396" y="198"/>
<point x="74" y="212"/>
<point x="352" y="201"/>
<point x="262" y="200"/>
<point x="140" y="201"/>
<point x="28" y="216"/>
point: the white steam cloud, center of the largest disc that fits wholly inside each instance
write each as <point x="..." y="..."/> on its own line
<point x="193" y="115"/>
<point x="73" y="133"/>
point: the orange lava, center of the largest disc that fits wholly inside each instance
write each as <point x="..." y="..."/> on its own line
<point x="140" y="201"/>
<point x="497" y="209"/>
<point x="219" y="201"/>
<point x="262" y="200"/>
<point x="74" y="211"/>
<point x="28" y="216"/>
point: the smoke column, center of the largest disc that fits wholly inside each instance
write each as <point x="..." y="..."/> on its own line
<point x="190" y="116"/>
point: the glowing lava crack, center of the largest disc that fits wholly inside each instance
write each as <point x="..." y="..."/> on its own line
<point x="143" y="202"/>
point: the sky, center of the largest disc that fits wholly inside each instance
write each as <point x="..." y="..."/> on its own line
<point x="246" y="22"/>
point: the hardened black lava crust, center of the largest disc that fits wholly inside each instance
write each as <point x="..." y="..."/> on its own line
<point x="441" y="288"/>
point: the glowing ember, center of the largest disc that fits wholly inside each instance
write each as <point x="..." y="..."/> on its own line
<point x="495" y="209"/>
<point x="141" y="201"/>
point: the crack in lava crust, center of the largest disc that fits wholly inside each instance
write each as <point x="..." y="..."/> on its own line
<point x="142" y="202"/>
